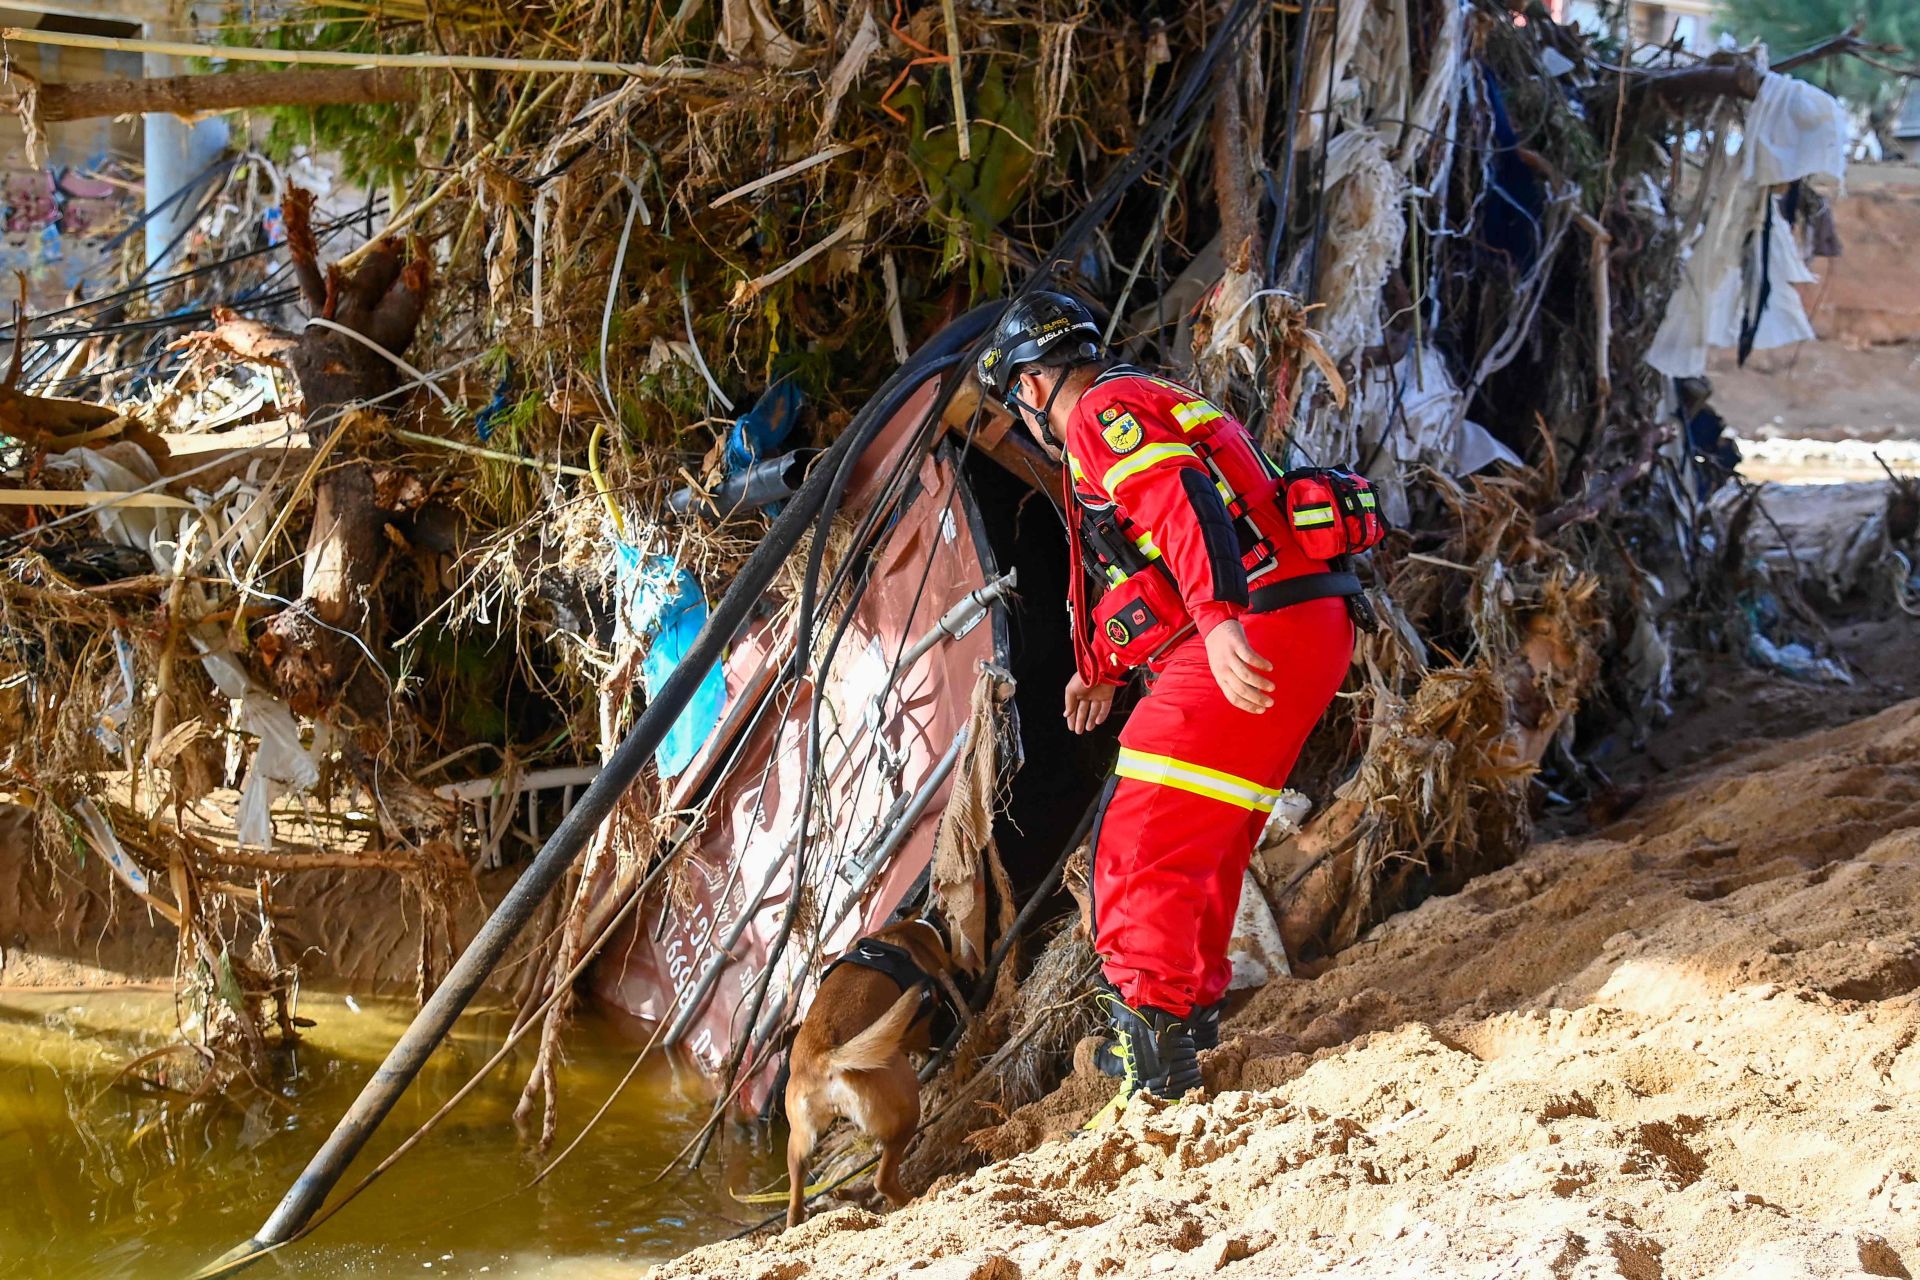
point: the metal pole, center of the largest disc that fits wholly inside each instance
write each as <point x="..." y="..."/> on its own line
<point x="875" y="863"/>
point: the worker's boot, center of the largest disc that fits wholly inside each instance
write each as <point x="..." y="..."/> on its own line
<point x="1155" y="1052"/>
<point x="1205" y="1021"/>
<point x="1203" y="1024"/>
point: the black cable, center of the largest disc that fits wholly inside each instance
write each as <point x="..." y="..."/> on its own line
<point x="1285" y="194"/>
<point x="1320" y="210"/>
<point x="134" y="290"/>
<point x="120" y="237"/>
<point x="167" y="321"/>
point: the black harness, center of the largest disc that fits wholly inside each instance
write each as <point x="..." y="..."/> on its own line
<point x="899" y="966"/>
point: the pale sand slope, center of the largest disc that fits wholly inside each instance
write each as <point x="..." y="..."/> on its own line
<point x="1688" y="1046"/>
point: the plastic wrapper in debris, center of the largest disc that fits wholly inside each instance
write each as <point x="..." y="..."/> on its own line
<point x="1793" y="130"/>
<point x="1797" y="661"/>
<point x="1366" y="226"/>
<point x="100" y="835"/>
<point x="280" y="764"/>
<point x="662" y="604"/>
<point x="760" y="429"/>
<point x="121" y="467"/>
<point x="115" y="714"/>
<point x="1410" y="412"/>
<point x="1788" y="135"/>
<point x="1289" y="815"/>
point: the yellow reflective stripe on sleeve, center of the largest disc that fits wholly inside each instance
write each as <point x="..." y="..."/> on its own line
<point x="1196" y="779"/>
<point x="1195" y="413"/>
<point x="1134" y="464"/>
<point x="1147" y="547"/>
<point x="1312" y="517"/>
<point x="1073" y="465"/>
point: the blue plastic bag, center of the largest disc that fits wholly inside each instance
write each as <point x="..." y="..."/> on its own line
<point x="662" y="603"/>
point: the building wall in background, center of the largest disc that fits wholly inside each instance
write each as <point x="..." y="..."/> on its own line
<point x="57" y="210"/>
<point x="1692" y="21"/>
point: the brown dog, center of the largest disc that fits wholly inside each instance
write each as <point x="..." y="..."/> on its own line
<point x="850" y="1058"/>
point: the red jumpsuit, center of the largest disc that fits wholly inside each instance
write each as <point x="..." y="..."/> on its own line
<point x="1196" y="777"/>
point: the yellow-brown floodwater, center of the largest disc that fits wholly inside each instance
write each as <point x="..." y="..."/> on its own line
<point x="100" y="1177"/>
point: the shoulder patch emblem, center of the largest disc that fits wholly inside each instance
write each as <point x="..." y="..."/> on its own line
<point x="1122" y="432"/>
<point x="1109" y="413"/>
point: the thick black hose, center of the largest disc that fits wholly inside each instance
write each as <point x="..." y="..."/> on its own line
<point x="816" y="499"/>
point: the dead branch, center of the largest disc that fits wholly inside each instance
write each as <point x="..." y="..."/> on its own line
<point x="192" y="95"/>
<point x="1602" y="495"/>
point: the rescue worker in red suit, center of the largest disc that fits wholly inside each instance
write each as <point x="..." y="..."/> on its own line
<point x="1255" y="652"/>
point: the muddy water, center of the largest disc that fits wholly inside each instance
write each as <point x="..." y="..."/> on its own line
<point x="101" y="1178"/>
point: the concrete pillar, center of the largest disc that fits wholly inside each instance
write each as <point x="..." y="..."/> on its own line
<point x="176" y="152"/>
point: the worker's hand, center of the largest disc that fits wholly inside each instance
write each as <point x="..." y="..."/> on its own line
<point x="1237" y="667"/>
<point x="1087" y="705"/>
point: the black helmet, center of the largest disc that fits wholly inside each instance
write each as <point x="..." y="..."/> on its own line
<point x="1038" y="325"/>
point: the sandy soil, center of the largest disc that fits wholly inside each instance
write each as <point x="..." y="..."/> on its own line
<point x="1822" y="390"/>
<point x="1687" y="1045"/>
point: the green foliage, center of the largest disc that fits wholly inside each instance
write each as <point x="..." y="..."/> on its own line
<point x="372" y="140"/>
<point x="467" y="675"/>
<point x="1791" y="25"/>
<point x="969" y="200"/>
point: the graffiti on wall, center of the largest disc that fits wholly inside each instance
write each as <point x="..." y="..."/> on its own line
<point x="59" y="223"/>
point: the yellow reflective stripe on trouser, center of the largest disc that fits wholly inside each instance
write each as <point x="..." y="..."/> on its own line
<point x="1129" y="467"/>
<point x="1198" y="779"/>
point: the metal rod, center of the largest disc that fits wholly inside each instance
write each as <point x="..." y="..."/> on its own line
<point x="957" y="621"/>
<point x="710" y="976"/>
<point x="876" y="862"/>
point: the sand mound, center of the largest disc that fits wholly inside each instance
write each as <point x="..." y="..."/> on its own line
<point x="1871" y="293"/>
<point x="1686" y="1046"/>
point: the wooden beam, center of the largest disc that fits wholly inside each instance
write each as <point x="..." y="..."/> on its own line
<point x="999" y="440"/>
<point x="196" y="95"/>
<point x="350" y="58"/>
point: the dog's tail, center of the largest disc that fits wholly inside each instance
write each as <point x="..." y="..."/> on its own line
<point x="871" y="1049"/>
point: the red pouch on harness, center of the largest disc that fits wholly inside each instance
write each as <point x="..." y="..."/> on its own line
<point x="1332" y="512"/>
<point x="1134" y="620"/>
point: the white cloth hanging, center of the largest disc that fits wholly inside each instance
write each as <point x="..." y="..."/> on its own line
<point x="1792" y="131"/>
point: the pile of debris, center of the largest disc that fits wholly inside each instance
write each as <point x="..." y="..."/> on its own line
<point x="370" y="571"/>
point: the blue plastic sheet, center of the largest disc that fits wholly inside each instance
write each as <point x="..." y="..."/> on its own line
<point x="663" y="604"/>
<point x="496" y="408"/>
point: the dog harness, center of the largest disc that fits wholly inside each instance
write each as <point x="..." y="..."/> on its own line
<point x="898" y="965"/>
